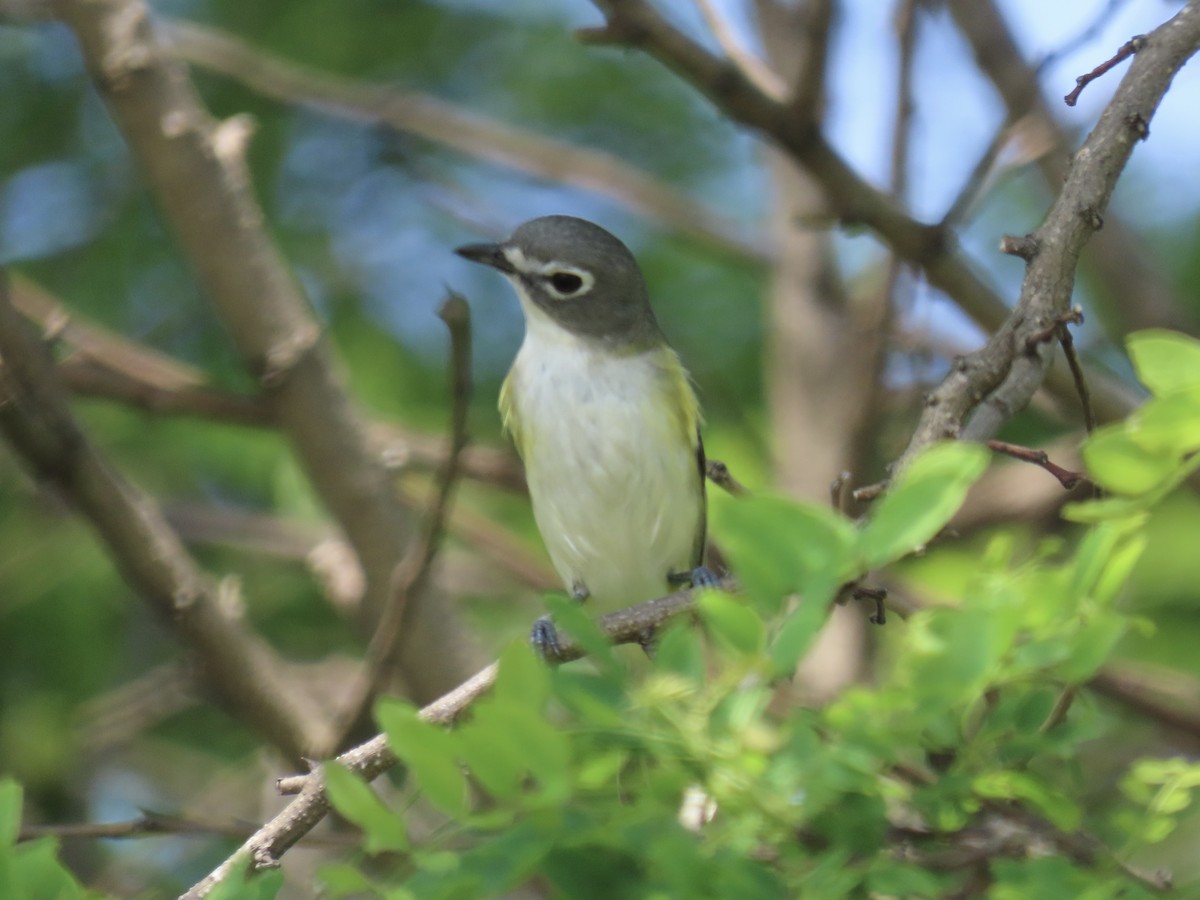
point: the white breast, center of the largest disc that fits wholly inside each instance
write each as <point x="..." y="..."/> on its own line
<point x="615" y="489"/>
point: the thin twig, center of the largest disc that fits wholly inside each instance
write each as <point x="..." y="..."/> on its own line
<point x="973" y="187"/>
<point x="1126" y="50"/>
<point x="1062" y="706"/>
<point x="752" y="67"/>
<point x="1066" y="477"/>
<point x="1102" y="18"/>
<point x="1067" y="341"/>
<point x="413" y="570"/>
<point x="718" y="473"/>
<point x="901" y="279"/>
<point x="869" y="492"/>
<point x="152" y="824"/>
<point x="1180" y="714"/>
<point x="878" y="597"/>
<point x="1051" y="331"/>
<point x="839" y="491"/>
<point x="809" y="90"/>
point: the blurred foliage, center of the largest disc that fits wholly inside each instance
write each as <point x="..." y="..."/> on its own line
<point x="575" y="779"/>
<point x="367" y="218"/>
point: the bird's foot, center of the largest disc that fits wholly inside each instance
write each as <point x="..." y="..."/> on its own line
<point x="544" y="637"/>
<point x="699" y="577"/>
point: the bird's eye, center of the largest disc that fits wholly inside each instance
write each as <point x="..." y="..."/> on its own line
<point x="566" y="282"/>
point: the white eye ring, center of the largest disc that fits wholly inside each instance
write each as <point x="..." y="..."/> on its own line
<point x="565" y="282"/>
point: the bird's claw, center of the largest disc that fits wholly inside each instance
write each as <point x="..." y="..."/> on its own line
<point x="699" y="577"/>
<point x="544" y="637"/>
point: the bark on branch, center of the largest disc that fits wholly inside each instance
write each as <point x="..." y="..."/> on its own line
<point x="240" y="669"/>
<point x="195" y="168"/>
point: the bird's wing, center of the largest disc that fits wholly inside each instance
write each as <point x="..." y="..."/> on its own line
<point x="688" y="421"/>
<point x="508" y="413"/>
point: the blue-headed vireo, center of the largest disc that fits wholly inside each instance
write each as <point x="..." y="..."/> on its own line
<point x="604" y="417"/>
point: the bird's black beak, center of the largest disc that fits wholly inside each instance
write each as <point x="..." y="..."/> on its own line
<point x="487" y="254"/>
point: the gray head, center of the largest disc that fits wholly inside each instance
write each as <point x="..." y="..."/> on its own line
<point x="581" y="276"/>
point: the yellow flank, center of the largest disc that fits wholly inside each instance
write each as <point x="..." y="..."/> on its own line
<point x="686" y="407"/>
<point x="509" y="420"/>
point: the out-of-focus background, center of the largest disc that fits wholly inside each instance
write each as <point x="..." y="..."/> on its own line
<point x="384" y="135"/>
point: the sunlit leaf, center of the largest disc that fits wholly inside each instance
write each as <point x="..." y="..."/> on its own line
<point x="1169" y="423"/>
<point x="353" y="798"/>
<point x="1119" y="463"/>
<point x="522" y="676"/>
<point x="430" y="752"/>
<point x="10" y="811"/>
<point x="1164" y="360"/>
<point x="920" y="503"/>
<point x="776" y="545"/>
<point x="731" y="621"/>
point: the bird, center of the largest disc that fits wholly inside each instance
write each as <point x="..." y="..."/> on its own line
<point x="604" y="417"/>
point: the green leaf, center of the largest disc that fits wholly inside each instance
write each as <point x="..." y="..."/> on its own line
<point x="429" y="751"/>
<point x="926" y="494"/>
<point x="732" y="622"/>
<point x="37" y="872"/>
<point x="892" y="878"/>
<point x="1092" y="644"/>
<point x="242" y="884"/>
<point x="545" y="749"/>
<point x="1062" y="812"/>
<point x="950" y="652"/>
<point x="354" y="799"/>
<point x="1164" y="360"/>
<point x="506" y="860"/>
<point x="343" y="878"/>
<point x="801" y="626"/>
<point x="1120" y="464"/>
<point x="1169" y="423"/>
<point x="594" y="698"/>
<point x="680" y="651"/>
<point x="10" y="811"/>
<point x="493" y="750"/>
<point x="1103" y="554"/>
<point x="776" y="546"/>
<point x="522" y="676"/>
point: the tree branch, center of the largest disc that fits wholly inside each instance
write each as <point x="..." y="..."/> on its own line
<point x="465" y="132"/>
<point x="241" y="670"/>
<point x="197" y="172"/>
<point x="1122" y="267"/>
<point x="1009" y="368"/>
<point x="636" y="23"/>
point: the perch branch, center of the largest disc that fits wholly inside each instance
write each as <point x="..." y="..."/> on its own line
<point x="267" y="845"/>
